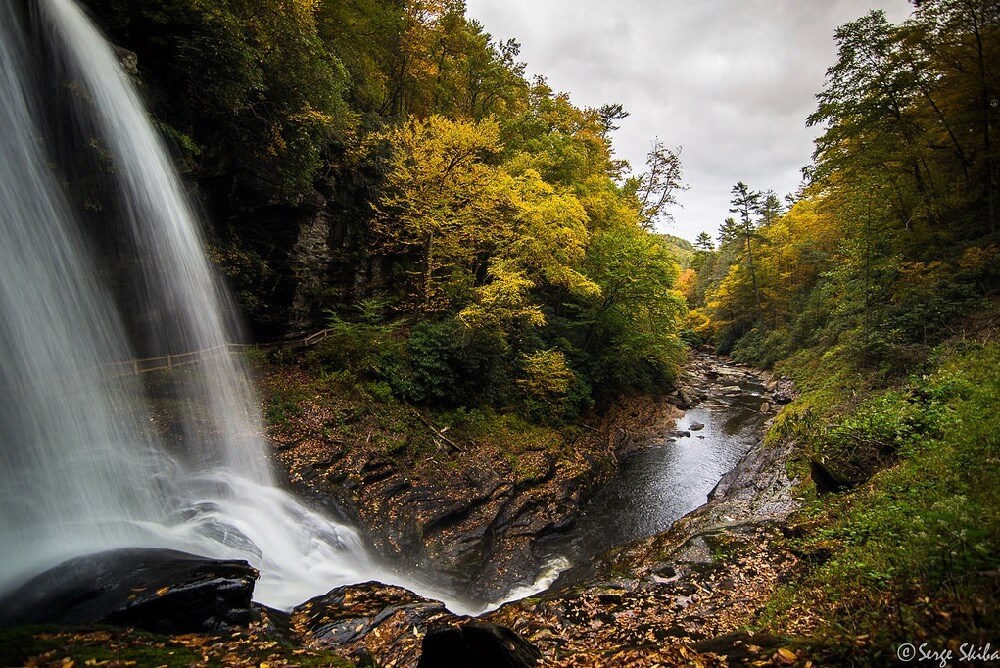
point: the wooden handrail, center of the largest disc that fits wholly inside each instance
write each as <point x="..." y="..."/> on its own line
<point x="135" y="367"/>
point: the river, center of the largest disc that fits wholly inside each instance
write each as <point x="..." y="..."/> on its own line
<point x="674" y="474"/>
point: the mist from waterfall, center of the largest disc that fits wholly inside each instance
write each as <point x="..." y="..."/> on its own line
<point x="83" y="466"/>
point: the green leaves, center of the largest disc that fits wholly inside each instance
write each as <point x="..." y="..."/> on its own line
<point x="634" y="324"/>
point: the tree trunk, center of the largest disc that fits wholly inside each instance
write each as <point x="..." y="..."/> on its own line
<point x="428" y="271"/>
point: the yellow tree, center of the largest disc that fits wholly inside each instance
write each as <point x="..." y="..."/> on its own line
<point x="797" y="248"/>
<point x="547" y="238"/>
<point x="472" y="228"/>
<point x="443" y="204"/>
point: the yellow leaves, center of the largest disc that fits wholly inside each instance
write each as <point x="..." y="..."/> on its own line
<point x="310" y="116"/>
<point x="445" y="203"/>
<point x="785" y="657"/>
<point x="546" y="374"/>
<point x="502" y="301"/>
<point x="439" y="152"/>
<point x="306" y="8"/>
<point x="699" y="321"/>
<point x="980" y="258"/>
<point x="550" y="235"/>
<point x="437" y="171"/>
<point x="687" y="283"/>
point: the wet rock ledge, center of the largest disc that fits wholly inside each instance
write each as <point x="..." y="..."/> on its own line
<point x="164" y="591"/>
<point x="177" y="594"/>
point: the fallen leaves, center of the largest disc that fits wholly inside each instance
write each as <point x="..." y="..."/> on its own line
<point x="252" y="647"/>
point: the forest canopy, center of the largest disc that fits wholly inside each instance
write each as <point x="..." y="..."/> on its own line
<point x="492" y="250"/>
<point x="894" y="233"/>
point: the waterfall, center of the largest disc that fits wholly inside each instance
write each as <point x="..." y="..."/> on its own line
<point x="82" y="467"/>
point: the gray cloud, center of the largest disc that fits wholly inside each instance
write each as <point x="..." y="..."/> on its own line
<point x="732" y="81"/>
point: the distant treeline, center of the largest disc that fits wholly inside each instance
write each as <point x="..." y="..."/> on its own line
<point x="895" y="234"/>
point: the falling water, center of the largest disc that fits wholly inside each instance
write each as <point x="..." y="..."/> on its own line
<point x="82" y="467"/>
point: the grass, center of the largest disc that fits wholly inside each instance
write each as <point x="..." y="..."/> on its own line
<point x="913" y="552"/>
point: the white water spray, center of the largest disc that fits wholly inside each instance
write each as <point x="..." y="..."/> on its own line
<point x="81" y="468"/>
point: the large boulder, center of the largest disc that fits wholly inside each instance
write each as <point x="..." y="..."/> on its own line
<point x="476" y="644"/>
<point x="164" y="591"/>
<point x="392" y="626"/>
<point x="371" y="619"/>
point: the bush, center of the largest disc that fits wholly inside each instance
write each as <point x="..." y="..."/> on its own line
<point x="545" y="383"/>
<point x="762" y="348"/>
<point x="922" y="533"/>
<point x="368" y="348"/>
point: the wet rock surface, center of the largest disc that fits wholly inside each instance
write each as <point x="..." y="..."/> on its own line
<point x="479" y="644"/>
<point x="164" y="591"/>
<point x="472" y="516"/>
<point x="676" y="598"/>
<point x="391" y="627"/>
<point x="683" y="596"/>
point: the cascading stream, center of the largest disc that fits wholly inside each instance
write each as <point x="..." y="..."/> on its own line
<point x="81" y="467"/>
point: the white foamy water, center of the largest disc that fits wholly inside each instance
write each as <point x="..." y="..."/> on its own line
<point x="81" y="467"/>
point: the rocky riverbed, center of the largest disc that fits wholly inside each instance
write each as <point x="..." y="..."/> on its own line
<point x="467" y="512"/>
<point x="678" y="597"/>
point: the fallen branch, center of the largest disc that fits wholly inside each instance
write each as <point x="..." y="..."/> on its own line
<point x="438" y="433"/>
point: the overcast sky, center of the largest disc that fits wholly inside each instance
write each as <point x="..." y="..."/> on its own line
<point x="732" y="81"/>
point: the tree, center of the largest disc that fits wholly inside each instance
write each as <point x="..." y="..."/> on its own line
<point x="547" y="238"/>
<point x="248" y="88"/>
<point x="566" y="145"/>
<point x="770" y="208"/>
<point x="609" y="114"/>
<point x="953" y="55"/>
<point x="657" y="188"/>
<point x="746" y="204"/>
<point x="444" y="204"/>
<point x="635" y="321"/>
<point x="704" y="242"/>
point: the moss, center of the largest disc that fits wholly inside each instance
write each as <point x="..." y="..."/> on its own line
<point x="920" y="538"/>
<point x="20" y="643"/>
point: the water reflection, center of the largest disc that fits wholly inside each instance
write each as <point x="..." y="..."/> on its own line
<point x="657" y="486"/>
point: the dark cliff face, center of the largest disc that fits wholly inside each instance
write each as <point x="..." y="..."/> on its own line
<point x="287" y="251"/>
<point x="287" y="263"/>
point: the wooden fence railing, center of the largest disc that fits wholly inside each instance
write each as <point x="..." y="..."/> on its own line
<point x="142" y="365"/>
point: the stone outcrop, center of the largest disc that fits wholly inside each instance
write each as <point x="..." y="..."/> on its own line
<point x="473" y="517"/>
<point x="163" y="591"/>
<point x="391" y="627"/>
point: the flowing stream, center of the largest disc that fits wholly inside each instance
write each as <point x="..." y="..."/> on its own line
<point x="661" y="483"/>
